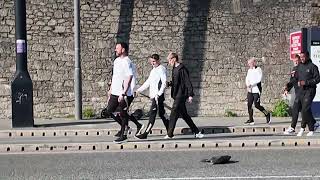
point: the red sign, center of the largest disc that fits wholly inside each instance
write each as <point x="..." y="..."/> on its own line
<point x="295" y="43"/>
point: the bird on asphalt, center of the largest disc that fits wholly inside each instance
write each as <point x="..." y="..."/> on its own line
<point x="217" y="159"/>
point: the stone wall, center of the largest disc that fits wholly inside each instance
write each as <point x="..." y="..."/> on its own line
<point x="214" y="38"/>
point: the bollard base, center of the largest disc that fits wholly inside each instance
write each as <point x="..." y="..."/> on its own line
<point x="22" y="100"/>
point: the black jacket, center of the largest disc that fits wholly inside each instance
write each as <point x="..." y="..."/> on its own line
<point x="309" y="73"/>
<point x="293" y="82"/>
<point x="181" y="86"/>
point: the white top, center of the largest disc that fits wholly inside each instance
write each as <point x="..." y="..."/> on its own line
<point x="254" y="76"/>
<point x="134" y="79"/>
<point x="158" y="73"/>
<point x="122" y="69"/>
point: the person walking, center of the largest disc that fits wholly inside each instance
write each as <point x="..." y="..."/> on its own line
<point x="254" y="88"/>
<point x="120" y="93"/>
<point x="181" y="91"/>
<point x="156" y="83"/>
<point x="132" y="117"/>
<point x="296" y="107"/>
<point x="307" y="79"/>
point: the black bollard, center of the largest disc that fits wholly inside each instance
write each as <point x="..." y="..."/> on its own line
<point x="21" y="85"/>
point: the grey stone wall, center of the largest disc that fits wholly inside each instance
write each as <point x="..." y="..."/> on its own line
<point x="213" y="38"/>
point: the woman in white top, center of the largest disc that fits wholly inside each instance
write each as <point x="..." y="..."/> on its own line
<point x="253" y="83"/>
<point x="156" y="83"/>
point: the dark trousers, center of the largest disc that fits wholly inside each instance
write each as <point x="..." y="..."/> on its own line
<point x="131" y="117"/>
<point x="254" y="98"/>
<point x="113" y="104"/>
<point x="305" y="98"/>
<point x="157" y="107"/>
<point x="179" y="109"/>
<point x="295" y="112"/>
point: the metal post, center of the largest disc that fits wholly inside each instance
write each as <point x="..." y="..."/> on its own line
<point x="77" y="69"/>
<point x="21" y="85"/>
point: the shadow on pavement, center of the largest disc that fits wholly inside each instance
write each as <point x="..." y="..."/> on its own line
<point x="181" y="137"/>
<point x="83" y="122"/>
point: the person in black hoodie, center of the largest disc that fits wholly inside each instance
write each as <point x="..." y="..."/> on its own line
<point x="307" y="79"/>
<point x="181" y="91"/>
<point x="296" y="107"/>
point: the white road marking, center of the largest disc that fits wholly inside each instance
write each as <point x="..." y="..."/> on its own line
<point x="234" y="177"/>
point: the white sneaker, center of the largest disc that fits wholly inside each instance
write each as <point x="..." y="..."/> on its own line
<point x="310" y="133"/>
<point x="199" y="135"/>
<point x="300" y="133"/>
<point x="167" y="137"/>
<point x="288" y="131"/>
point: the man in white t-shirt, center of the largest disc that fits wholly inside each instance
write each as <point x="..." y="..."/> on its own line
<point x="120" y="93"/>
<point x="156" y="83"/>
<point x="132" y="117"/>
<point x="253" y="83"/>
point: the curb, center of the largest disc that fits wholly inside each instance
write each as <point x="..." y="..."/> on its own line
<point x="154" y="146"/>
<point x="155" y="131"/>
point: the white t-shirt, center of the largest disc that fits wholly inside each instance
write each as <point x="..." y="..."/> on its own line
<point x="158" y="73"/>
<point x="254" y="76"/>
<point x="122" y="69"/>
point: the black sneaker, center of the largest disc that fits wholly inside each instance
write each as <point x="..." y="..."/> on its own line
<point x="268" y="118"/>
<point x="121" y="139"/>
<point x="142" y="136"/>
<point x="249" y="122"/>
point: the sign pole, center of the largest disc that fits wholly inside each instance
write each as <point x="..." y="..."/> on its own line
<point x="21" y="85"/>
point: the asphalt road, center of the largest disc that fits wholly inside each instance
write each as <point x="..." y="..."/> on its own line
<point x="294" y="163"/>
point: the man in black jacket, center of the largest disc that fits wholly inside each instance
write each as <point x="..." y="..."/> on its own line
<point x="307" y="79"/>
<point x="181" y="91"/>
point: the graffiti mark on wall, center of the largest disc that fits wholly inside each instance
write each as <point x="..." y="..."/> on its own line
<point x="21" y="98"/>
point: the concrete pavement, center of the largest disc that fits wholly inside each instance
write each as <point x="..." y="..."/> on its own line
<point x="66" y="135"/>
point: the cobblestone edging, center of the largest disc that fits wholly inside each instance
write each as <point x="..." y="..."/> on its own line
<point x="154" y="146"/>
<point x="155" y="131"/>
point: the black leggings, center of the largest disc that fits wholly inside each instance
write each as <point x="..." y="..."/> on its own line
<point x="254" y="98"/>
<point x="153" y="113"/>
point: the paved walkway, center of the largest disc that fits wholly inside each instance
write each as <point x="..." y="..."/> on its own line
<point x="66" y="135"/>
<point x="110" y="124"/>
